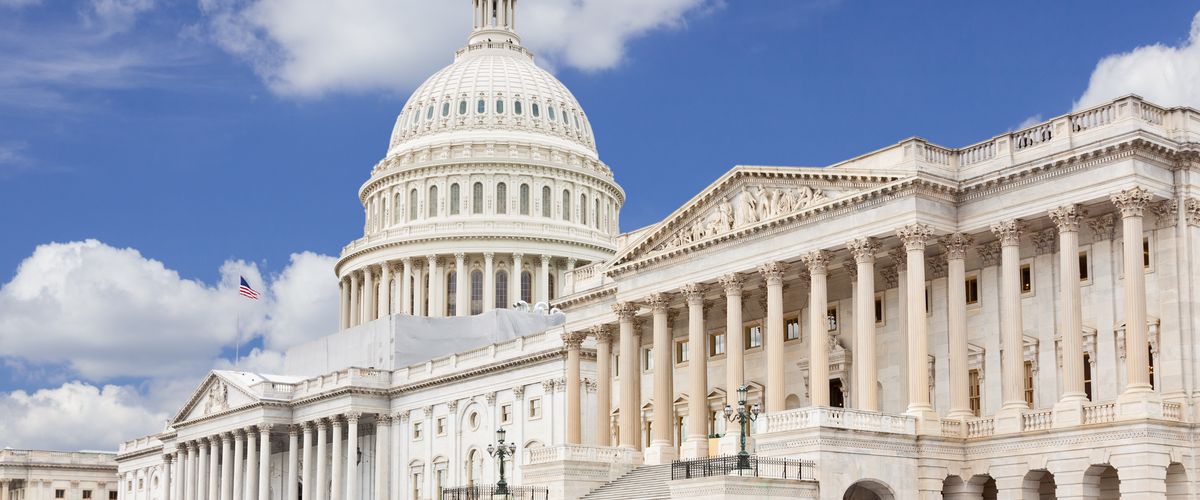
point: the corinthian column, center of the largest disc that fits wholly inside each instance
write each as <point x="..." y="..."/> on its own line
<point x="544" y="280"/>
<point x="202" y="469"/>
<point x="1012" y="366"/>
<point x="239" y="468"/>
<point x="956" y="254"/>
<point x="321" y="486"/>
<point x="462" y="295"/>
<point x="251" y="483"/>
<point x="514" y="281"/>
<point x="351" y="455"/>
<point x="914" y="237"/>
<point x="406" y="288"/>
<point x="306" y="474"/>
<point x="630" y="431"/>
<point x="866" y="375"/>
<point x="1138" y="390"/>
<point x="345" y="307"/>
<point x="214" y="467"/>
<point x="603" y="384"/>
<point x="168" y="484"/>
<point x="355" y="312"/>
<point x="385" y="289"/>
<point x="489" y="281"/>
<point x="291" y="485"/>
<point x="772" y="273"/>
<point x="370" y="300"/>
<point x="336" y="471"/>
<point x="437" y="295"/>
<point x="662" y="449"/>
<point x="696" y="445"/>
<point x="573" y="342"/>
<point x="190" y="485"/>
<point x="1069" y="410"/>
<point x="735" y="346"/>
<point x="818" y="354"/>
<point x="383" y="455"/>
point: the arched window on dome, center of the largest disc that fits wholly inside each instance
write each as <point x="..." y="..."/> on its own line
<point x="536" y="109"/>
<point x="566" y="208"/>
<point x="445" y="109"/>
<point x="396" y="204"/>
<point x="547" y="205"/>
<point x="432" y="201"/>
<point x="550" y="292"/>
<point x="476" y="291"/>
<point x="499" y="106"/>
<point x="481" y="107"/>
<point x="412" y="205"/>
<point x="383" y="212"/>
<point x="462" y="107"/>
<point x="429" y="113"/>
<point x="596" y="212"/>
<point x="553" y="116"/>
<point x="477" y="198"/>
<point x="583" y="209"/>
<point x="518" y="109"/>
<point x="451" y="293"/>
<point x="501" y="289"/>
<point x="526" y="287"/>
<point x="501" y="198"/>
<point x="566" y="118"/>
<point x="454" y="199"/>
<point x="524" y="199"/>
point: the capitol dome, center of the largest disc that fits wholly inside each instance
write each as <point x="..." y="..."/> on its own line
<point x="491" y="192"/>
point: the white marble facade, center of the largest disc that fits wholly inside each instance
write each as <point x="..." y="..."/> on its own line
<point x="76" y="475"/>
<point x="1068" y="244"/>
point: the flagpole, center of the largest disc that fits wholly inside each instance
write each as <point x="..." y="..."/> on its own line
<point x="237" y="341"/>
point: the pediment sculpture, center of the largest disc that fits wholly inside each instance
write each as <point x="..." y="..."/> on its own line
<point x="217" y="398"/>
<point x="754" y="205"/>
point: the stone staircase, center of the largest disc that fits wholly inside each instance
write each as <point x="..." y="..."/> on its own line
<point x="648" y="482"/>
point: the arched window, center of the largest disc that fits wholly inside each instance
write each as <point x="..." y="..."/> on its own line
<point x="451" y="293"/>
<point x="462" y="107"/>
<point x="454" y="200"/>
<point x="412" y="205"/>
<point x="499" y="106"/>
<point x="383" y="212"/>
<point x="583" y="207"/>
<point x="526" y="286"/>
<point x="446" y="109"/>
<point x="432" y="201"/>
<point x="547" y="205"/>
<point x="477" y="198"/>
<point x="429" y="113"/>
<point x="517" y="108"/>
<point x="501" y="289"/>
<point x="537" y="110"/>
<point x="566" y="208"/>
<point x="550" y="292"/>
<point x="501" y="198"/>
<point x="524" y="199"/>
<point x="476" y="292"/>
<point x="553" y="116"/>
<point x="596" y="212"/>
<point x="481" y="107"/>
<point x="396" y="208"/>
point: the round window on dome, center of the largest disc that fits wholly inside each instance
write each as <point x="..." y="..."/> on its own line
<point x="462" y="107"/>
<point x="550" y="109"/>
<point x="517" y="108"/>
<point x="445" y="109"/>
<point x="481" y="107"/>
<point x="499" y="106"/>
<point x="537" y="111"/>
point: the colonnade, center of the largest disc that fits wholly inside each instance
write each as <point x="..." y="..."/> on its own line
<point x="237" y="465"/>
<point x="366" y="293"/>
<point x="913" y="238"/>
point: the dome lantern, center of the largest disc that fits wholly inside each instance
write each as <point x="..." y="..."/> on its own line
<point x="494" y="20"/>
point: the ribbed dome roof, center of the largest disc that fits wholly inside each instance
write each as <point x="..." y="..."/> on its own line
<point x="493" y="92"/>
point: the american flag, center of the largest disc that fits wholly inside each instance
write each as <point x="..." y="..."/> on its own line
<point x="246" y="291"/>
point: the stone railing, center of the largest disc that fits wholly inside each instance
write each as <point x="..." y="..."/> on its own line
<point x="952" y="428"/>
<point x="1100" y="413"/>
<point x="1172" y="411"/>
<point x="981" y="427"/>
<point x="811" y="417"/>
<point x="83" y="458"/>
<point x="580" y="453"/>
<point x="368" y="377"/>
<point x="1037" y="420"/>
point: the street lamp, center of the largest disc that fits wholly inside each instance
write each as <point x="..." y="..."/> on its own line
<point x="500" y="450"/>
<point x="743" y="416"/>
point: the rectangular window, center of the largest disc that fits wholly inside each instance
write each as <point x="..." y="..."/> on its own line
<point x="1150" y="359"/>
<point x="1087" y="375"/>
<point x="831" y="316"/>
<point x="681" y="351"/>
<point x="1029" y="383"/>
<point x="791" y="329"/>
<point x="1146" y="253"/>
<point x="112" y="495"/>
<point x="616" y="366"/>
<point x="647" y="359"/>
<point x="928" y="298"/>
<point x="87" y="494"/>
<point x="973" y="380"/>
<point x="972" y="289"/>
<point x="535" y="408"/>
<point x="506" y="414"/>
<point x="441" y="426"/>
<point x="417" y="431"/>
<point x="716" y="344"/>
<point x="60" y="493"/>
<point x="1026" y="278"/>
<point x="879" y="309"/>
<point x="753" y="336"/>
<point x="1084" y="268"/>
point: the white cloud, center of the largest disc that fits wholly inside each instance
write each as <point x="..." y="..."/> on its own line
<point x="1165" y="75"/>
<point x="306" y="48"/>
<point x="115" y="16"/>
<point x="75" y="416"/>
<point x="17" y="4"/>
<point x="109" y="313"/>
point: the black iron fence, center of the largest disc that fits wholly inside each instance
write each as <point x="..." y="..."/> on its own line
<point x="753" y="466"/>
<point x="490" y="492"/>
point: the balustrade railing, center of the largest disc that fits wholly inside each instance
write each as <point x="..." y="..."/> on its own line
<point x="1172" y="411"/>
<point x="952" y="428"/>
<point x="1100" y="413"/>
<point x="804" y="418"/>
<point x="981" y="427"/>
<point x="752" y="466"/>
<point x="1037" y="420"/>
<point x="579" y="453"/>
<point x="490" y="492"/>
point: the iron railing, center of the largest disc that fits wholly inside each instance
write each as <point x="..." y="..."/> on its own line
<point x="753" y="466"/>
<point x="489" y="492"/>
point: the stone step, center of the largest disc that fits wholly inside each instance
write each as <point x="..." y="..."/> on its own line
<point x="648" y="482"/>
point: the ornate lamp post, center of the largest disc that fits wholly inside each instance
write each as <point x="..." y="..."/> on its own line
<point x="500" y="450"/>
<point x="742" y="416"/>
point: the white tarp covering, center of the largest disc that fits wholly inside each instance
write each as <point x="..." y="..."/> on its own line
<point x="401" y="340"/>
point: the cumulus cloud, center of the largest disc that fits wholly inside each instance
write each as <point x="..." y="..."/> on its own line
<point x="108" y="313"/>
<point x="305" y="48"/>
<point x="75" y="416"/>
<point x="1163" y="74"/>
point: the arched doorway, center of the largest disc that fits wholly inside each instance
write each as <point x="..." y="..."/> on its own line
<point x="1040" y="484"/>
<point x="868" y="489"/>
<point x="1101" y="482"/>
<point x="1177" y="482"/>
<point x="473" y="467"/>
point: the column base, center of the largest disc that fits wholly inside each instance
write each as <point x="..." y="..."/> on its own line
<point x="928" y="421"/>
<point x="1008" y="419"/>
<point x="661" y="452"/>
<point x="1068" y="413"/>
<point x="1139" y="404"/>
<point x="731" y="443"/>
<point x="694" y="447"/>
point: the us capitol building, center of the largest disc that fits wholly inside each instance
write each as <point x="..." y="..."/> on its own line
<point x="1016" y="318"/>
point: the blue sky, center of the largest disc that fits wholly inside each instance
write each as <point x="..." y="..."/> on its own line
<point x="155" y="125"/>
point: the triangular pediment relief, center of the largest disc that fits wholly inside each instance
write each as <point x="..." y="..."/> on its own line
<point x="747" y="198"/>
<point x="215" y="394"/>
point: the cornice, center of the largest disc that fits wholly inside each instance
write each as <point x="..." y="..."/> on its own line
<point x="337" y="268"/>
<point x="450" y="166"/>
<point x="586" y="297"/>
<point x="72" y="467"/>
<point x="157" y="450"/>
<point x="534" y="358"/>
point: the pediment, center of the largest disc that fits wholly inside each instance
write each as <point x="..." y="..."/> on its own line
<point x="746" y="198"/>
<point x="214" y="395"/>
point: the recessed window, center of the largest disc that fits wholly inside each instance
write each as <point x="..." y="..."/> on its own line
<point x="499" y="106"/>
<point x="446" y="109"/>
<point x="524" y="199"/>
<point x="462" y="107"/>
<point x="972" y="284"/>
<point x="647" y="359"/>
<point x="501" y="198"/>
<point x="1084" y="267"/>
<point x="1029" y="384"/>
<point x="753" y="336"/>
<point x="429" y="113"/>
<point x="879" y="309"/>
<point x="537" y="110"/>
<point x="681" y="351"/>
<point x="473" y="420"/>
<point x="441" y="426"/>
<point x="716" y="343"/>
<point x="506" y="414"/>
<point x="481" y="107"/>
<point x="553" y="115"/>
<point x="791" y="329"/>
<point x="1026" y="278"/>
<point x="974" y="391"/>
<point x="1146" y="256"/>
<point x="417" y="428"/>
<point x="87" y="494"/>
<point x="454" y="199"/>
<point x="477" y="198"/>
<point x="1087" y="375"/>
<point x="535" y="408"/>
<point x="112" y="495"/>
<point x="60" y="493"/>
<point x="831" y="317"/>
<point x="547" y="204"/>
<point x="517" y="108"/>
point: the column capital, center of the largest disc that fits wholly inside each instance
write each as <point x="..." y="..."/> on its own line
<point x="602" y="333"/>
<point x="490" y="397"/>
<point x="693" y="293"/>
<point x="1102" y="226"/>
<point x="956" y="245"/>
<point x="352" y="416"/>
<point x="772" y="272"/>
<point x="227" y="437"/>
<point x="863" y="249"/>
<point x="571" y="261"/>
<point x="192" y="446"/>
<point x="431" y="259"/>
<point x="428" y="411"/>
<point x="625" y="311"/>
<point x="354" y="277"/>
<point x="1067" y="217"/>
<point x="335" y="422"/>
<point x="914" y="236"/>
<point x="518" y="256"/>
<point x="489" y="256"/>
<point x="1131" y="202"/>
<point x="891" y="276"/>
<point x="817" y="261"/>
<point x="383" y="420"/>
<point x="460" y="256"/>
<point x="545" y="259"/>
<point x="1192" y="208"/>
<point x="732" y="283"/>
<point x="168" y="458"/>
<point x="851" y="268"/>
<point x="321" y="424"/>
<point x="295" y="429"/>
<point x="658" y="302"/>
<point x="238" y="435"/>
<point x="265" y="429"/>
<point x="402" y="417"/>
<point x="519" y="393"/>
<point x="573" y="340"/>
<point x="899" y="258"/>
<point x="1008" y="232"/>
<point x="407" y="262"/>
